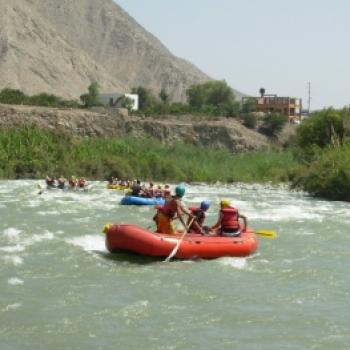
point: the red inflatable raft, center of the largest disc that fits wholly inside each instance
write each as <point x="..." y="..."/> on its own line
<point x="138" y="240"/>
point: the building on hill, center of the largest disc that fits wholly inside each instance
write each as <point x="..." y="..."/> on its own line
<point x="291" y="107"/>
<point x="116" y="100"/>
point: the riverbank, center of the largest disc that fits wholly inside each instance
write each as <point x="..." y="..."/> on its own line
<point x="33" y="152"/>
<point x="203" y="131"/>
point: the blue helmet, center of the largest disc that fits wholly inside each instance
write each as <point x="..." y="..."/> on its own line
<point x="180" y="190"/>
<point x="205" y="205"/>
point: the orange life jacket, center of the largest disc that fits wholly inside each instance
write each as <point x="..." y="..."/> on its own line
<point x="169" y="208"/>
<point x="230" y="219"/>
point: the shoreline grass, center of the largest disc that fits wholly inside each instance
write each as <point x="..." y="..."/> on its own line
<point x="31" y="152"/>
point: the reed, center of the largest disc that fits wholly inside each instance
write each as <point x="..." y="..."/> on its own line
<point x="30" y="152"/>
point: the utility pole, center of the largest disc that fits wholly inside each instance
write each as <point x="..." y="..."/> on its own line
<point x="309" y="98"/>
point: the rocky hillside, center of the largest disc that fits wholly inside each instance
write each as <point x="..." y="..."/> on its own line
<point x="61" y="46"/>
<point x="224" y="133"/>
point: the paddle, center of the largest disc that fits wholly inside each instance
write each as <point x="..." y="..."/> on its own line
<point x="176" y="248"/>
<point x="267" y="233"/>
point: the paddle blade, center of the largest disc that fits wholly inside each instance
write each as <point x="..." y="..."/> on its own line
<point x="267" y="233"/>
<point x="173" y="252"/>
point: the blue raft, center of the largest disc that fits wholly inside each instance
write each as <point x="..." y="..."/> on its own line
<point x="133" y="200"/>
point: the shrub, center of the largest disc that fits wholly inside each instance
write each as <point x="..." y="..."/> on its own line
<point x="12" y="96"/>
<point x="249" y="120"/>
<point x="273" y="124"/>
<point x="328" y="176"/>
<point x="321" y="129"/>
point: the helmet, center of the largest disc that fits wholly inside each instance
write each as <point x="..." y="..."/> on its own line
<point x="225" y="203"/>
<point x="205" y="205"/>
<point x="180" y="190"/>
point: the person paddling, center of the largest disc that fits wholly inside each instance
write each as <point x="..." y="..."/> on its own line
<point x="228" y="221"/>
<point x="199" y="215"/>
<point x="170" y="211"/>
<point x="82" y="182"/>
<point x="72" y="182"/>
<point x="61" y="182"/>
<point x="136" y="188"/>
<point x="50" y="182"/>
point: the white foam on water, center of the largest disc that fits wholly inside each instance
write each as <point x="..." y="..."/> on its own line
<point x="37" y="238"/>
<point x="286" y="213"/>
<point x="14" y="281"/>
<point x="12" y="234"/>
<point x="11" y="307"/>
<point x="28" y="241"/>
<point x="48" y="212"/>
<point x="237" y="263"/>
<point x="89" y="242"/>
<point x="13" y="259"/>
<point x="304" y="233"/>
<point x="33" y="203"/>
<point x="13" y="249"/>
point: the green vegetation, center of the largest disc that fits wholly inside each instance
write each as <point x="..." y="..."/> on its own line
<point x="323" y="154"/>
<point x="91" y="99"/>
<point x="17" y="97"/>
<point x="30" y="152"/>
<point x="273" y="124"/>
<point x="213" y="98"/>
<point x="210" y="99"/>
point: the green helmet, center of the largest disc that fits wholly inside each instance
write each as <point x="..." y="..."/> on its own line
<point x="180" y="190"/>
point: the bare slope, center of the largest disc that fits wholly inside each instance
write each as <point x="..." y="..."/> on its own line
<point x="61" y="46"/>
<point x="35" y="58"/>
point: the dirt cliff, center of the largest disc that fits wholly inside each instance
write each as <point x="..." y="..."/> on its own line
<point x="225" y="133"/>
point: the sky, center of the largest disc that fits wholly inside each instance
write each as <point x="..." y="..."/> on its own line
<point x="281" y="45"/>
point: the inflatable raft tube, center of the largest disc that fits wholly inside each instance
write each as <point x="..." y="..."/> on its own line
<point x="133" y="200"/>
<point x="138" y="240"/>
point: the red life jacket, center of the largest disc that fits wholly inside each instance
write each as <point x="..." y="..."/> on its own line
<point x="50" y="182"/>
<point x="199" y="214"/>
<point x="199" y="217"/>
<point x="230" y="219"/>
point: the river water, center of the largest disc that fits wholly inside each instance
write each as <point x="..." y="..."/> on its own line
<point x="61" y="289"/>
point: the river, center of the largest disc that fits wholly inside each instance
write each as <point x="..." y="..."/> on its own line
<point x="61" y="289"/>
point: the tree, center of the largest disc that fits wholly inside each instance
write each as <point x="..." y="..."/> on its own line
<point x="163" y="96"/>
<point x="322" y="129"/>
<point x="215" y="94"/>
<point x="92" y="97"/>
<point x="248" y="105"/>
<point x="146" y="98"/>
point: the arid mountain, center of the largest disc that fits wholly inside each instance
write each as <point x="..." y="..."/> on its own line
<point x="60" y="46"/>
